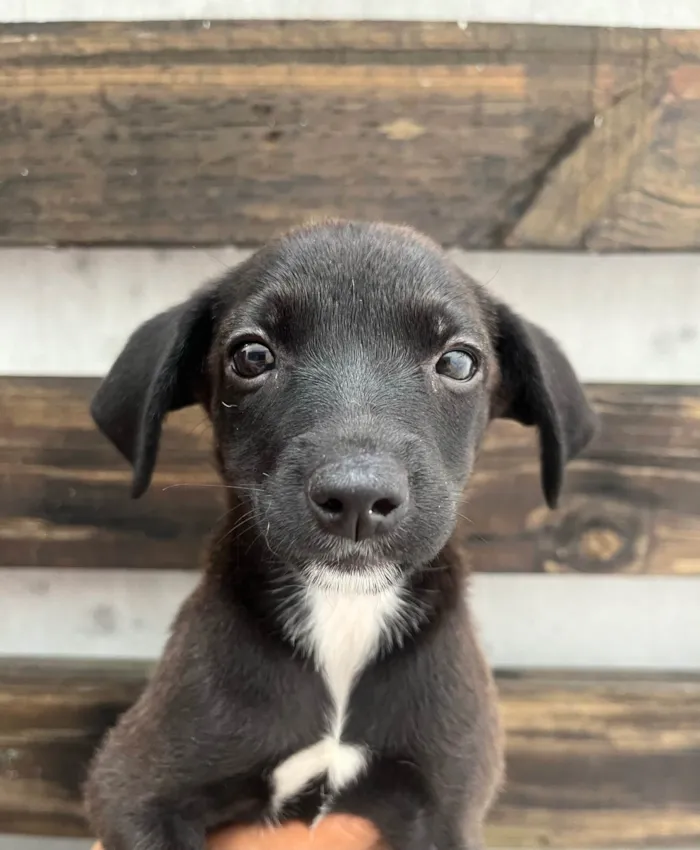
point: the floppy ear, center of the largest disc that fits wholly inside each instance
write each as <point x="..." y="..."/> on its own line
<point x="158" y="370"/>
<point x="538" y="387"/>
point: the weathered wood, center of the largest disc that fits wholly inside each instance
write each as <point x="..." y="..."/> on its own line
<point x="599" y="762"/>
<point x="593" y="761"/>
<point x="52" y="716"/>
<point x="632" y="504"/>
<point x="484" y="136"/>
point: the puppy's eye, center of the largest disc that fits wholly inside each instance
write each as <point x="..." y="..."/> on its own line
<point x="459" y="365"/>
<point x="252" y="359"/>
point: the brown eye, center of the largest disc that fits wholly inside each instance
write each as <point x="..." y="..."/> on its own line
<point x="459" y="365"/>
<point x="252" y="359"/>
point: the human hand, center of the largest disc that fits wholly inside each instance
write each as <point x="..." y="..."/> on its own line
<point x="334" y="832"/>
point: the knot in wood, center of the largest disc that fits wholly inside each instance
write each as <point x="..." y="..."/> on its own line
<point x="592" y="535"/>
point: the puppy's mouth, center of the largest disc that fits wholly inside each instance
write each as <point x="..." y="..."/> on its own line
<point x="283" y="523"/>
<point x="352" y="575"/>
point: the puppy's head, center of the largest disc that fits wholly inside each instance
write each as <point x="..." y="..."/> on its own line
<point x="349" y="371"/>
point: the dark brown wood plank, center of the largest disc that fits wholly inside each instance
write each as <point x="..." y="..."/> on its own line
<point x="609" y="761"/>
<point x="593" y="761"/>
<point x="631" y="504"/>
<point x="52" y="716"/>
<point x="490" y="136"/>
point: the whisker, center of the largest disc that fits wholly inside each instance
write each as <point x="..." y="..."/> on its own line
<point x="230" y="532"/>
<point x="255" y="539"/>
<point x="464" y="517"/>
<point x="216" y="260"/>
<point x="243" y="487"/>
<point x="245" y="519"/>
<point x="494" y="276"/>
<point x="435" y="568"/>
<point x="248" y="517"/>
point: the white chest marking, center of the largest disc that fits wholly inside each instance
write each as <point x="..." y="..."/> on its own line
<point x="343" y="632"/>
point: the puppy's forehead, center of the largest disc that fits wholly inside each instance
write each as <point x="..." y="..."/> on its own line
<point x="353" y="279"/>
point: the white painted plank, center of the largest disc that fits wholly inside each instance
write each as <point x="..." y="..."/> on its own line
<point x="89" y="613"/>
<point x="608" y="13"/>
<point x="622" y="318"/>
<point x="583" y="621"/>
<point x="548" y="621"/>
<point x="81" y="304"/>
<point x="21" y="842"/>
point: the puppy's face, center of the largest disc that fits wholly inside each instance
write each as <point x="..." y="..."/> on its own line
<point x="351" y="374"/>
<point x="349" y="371"/>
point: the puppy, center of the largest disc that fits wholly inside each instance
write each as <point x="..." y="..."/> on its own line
<point x="327" y="660"/>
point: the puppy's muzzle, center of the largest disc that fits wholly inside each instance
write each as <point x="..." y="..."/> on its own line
<point x="359" y="497"/>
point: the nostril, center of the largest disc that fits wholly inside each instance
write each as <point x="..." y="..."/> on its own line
<point x="358" y="497"/>
<point x="332" y="506"/>
<point x="383" y="507"/>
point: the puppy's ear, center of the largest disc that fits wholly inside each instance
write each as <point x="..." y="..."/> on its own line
<point x="538" y="387"/>
<point x="158" y="370"/>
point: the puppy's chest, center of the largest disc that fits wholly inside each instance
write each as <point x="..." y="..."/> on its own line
<point x="343" y="634"/>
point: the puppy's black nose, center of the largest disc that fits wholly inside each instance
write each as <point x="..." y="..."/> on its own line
<point x="359" y="497"/>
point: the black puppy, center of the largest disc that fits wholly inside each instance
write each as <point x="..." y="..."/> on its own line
<point x="326" y="662"/>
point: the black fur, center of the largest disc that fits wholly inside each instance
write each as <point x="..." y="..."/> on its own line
<point x="357" y="315"/>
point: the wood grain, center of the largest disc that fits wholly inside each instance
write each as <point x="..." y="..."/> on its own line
<point x="631" y="504"/>
<point x="52" y="716"/>
<point x="599" y="762"/>
<point x="593" y="761"/>
<point x="486" y="136"/>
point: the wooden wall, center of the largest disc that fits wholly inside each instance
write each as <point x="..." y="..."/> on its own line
<point x="161" y="150"/>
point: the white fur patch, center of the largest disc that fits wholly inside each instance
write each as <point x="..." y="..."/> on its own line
<point x="341" y="762"/>
<point x="343" y="631"/>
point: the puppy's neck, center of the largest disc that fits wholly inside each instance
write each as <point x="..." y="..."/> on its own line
<point x="322" y="621"/>
<point x="396" y="604"/>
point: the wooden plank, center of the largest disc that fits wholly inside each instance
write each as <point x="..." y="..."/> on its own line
<point x="593" y="761"/>
<point x="649" y="340"/>
<point x="631" y="505"/>
<point x="526" y="621"/>
<point x="489" y="135"/>
<point x="52" y="717"/>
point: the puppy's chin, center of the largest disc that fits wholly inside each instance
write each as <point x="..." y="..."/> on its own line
<point x="352" y="579"/>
